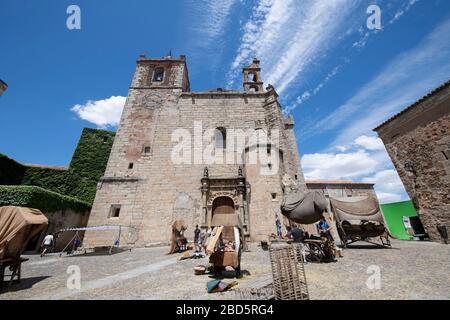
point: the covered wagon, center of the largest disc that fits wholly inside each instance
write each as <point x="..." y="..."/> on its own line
<point x="17" y="226"/>
<point x="359" y="219"/>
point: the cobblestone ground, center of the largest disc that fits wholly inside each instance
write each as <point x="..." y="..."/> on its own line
<point x="410" y="270"/>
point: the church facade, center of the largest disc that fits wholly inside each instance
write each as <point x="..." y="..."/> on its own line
<point x="182" y="155"/>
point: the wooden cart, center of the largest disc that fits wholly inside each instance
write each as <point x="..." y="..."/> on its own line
<point x="228" y="227"/>
<point x="359" y="219"/>
<point x="15" y="266"/>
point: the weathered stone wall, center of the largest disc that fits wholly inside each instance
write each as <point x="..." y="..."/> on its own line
<point x="63" y="219"/>
<point x="157" y="190"/>
<point x="418" y="142"/>
<point x="429" y="184"/>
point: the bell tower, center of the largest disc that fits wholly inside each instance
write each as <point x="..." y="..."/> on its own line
<point x="252" y="77"/>
<point x="165" y="73"/>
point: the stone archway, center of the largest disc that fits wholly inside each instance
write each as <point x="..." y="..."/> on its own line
<point x="223" y="205"/>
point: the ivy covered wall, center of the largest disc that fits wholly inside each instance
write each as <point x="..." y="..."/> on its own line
<point x="39" y="198"/>
<point x="79" y="181"/>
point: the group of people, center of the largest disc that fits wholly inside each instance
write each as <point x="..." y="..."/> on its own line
<point x="49" y="243"/>
<point x="296" y="234"/>
<point x="199" y="239"/>
<point x="200" y="243"/>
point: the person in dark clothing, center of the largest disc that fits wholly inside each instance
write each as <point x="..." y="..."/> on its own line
<point x="297" y="234"/>
<point x="324" y="229"/>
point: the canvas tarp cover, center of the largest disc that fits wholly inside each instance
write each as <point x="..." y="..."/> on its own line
<point x="356" y="209"/>
<point x="17" y="226"/>
<point x="304" y="208"/>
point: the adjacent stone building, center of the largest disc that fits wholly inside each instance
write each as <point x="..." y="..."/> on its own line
<point x="160" y="170"/>
<point x="418" y="142"/>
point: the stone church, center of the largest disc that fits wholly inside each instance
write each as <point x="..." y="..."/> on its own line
<point x="157" y="172"/>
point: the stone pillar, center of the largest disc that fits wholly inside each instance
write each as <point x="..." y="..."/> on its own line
<point x="206" y="215"/>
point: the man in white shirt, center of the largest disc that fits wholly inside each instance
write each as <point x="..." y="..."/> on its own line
<point x="47" y="243"/>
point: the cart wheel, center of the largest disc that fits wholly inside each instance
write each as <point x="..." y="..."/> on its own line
<point x="315" y="253"/>
<point x="342" y="237"/>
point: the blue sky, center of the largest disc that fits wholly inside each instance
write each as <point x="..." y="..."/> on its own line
<point x="335" y="76"/>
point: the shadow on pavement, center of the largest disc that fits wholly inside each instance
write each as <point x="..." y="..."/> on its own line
<point x="25" y="283"/>
<point x="369" y="246"/>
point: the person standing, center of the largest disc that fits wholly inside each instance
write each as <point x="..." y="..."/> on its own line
<point x="47" y="244"/>
<point x="197" y="239"/>
<point x="278" y="224"/>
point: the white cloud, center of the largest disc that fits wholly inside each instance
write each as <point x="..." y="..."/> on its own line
<point x="403" y="10"/>
<point x="369" y="143"/>
<point x="103" y="113"/>
<point x="308" y="94"/>
<point x="206" y="32"/>
<point x="370" y="165"/>
<point x="360" y="43"/>
<point x="299" y="32"/>
<point x="211" y="18"/>
<point x="385" y="197"/>
<point x="338" y="165"/>
<point x="388" y="186"/>
<point x="388" y="178"/>
<point x="404" y="80"/>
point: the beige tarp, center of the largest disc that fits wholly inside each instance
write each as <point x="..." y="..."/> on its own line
<point x="17" y="226"/>
<point x="356" y="209"/>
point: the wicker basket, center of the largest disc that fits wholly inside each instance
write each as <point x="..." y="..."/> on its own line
<point x="289" y="279"/>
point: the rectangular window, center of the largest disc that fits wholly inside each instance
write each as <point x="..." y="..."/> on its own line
<point x="158" y="75"/>
<point x="146" y="150"/>
<point x="274" y="196"/>
<point x="114" y="211"/>
<point x="130" y="165"/>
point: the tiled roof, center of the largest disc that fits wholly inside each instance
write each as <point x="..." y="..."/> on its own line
<point x="336" y="182"/>
<point x="440" y="88"/>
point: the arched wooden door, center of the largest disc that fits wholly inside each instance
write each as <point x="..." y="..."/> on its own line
<point x="223" y="205"/>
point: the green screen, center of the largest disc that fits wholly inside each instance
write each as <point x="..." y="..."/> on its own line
<point x="393" y="215"/>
